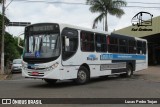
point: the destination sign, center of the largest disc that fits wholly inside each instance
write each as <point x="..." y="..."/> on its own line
<point x="43" y="28"/>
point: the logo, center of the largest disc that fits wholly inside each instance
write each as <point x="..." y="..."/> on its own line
<point x="142" y="19"/>
<point x="106" y="56"/>
<point x="6" y="101"/>
<point x="92" y="57"/>
<point x="21" y="101"/>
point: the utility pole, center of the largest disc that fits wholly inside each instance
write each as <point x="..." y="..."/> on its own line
<point x="3" y="33"/>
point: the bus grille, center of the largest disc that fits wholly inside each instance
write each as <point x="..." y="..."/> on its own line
<point x="35" y="68"/>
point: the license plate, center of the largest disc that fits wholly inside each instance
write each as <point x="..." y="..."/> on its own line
<point x="35" y="73"/>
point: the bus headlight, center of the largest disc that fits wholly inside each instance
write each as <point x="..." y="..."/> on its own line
<point x="53" y="66"/>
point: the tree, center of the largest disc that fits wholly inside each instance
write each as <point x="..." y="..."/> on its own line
<point x="6" y="22"/>
<point x="113" y="7"/>
<point x="11" y="49"/>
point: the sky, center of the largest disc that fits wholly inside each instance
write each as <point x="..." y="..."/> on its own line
<point x="79" y="15"/>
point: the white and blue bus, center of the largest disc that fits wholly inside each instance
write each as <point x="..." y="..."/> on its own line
<point x="55" y="51"/>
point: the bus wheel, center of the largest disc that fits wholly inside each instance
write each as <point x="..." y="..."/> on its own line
<point x="50" y="81"/>
<point x="129" y="72"/>
<point x="82" y="76"/>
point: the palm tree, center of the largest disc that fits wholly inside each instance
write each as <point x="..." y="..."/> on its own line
<point x="113" y="7"/>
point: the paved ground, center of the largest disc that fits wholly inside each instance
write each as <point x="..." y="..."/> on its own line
<point x="151" y="74"/>
<point x="144" y="84"/>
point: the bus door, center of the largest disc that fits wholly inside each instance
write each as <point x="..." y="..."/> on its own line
<point x="69" y="45"/>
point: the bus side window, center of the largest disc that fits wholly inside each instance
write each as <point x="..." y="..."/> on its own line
<point x="132" y="47"/>
<point x="144" y="47"/>
<point x="139" y="47"/>
<point x="113" y="45"/>
<point x="123" y="46"/>
<point x="69" y="42"/>
<point x="101" y="43"/>
<point x="87" y="41"/>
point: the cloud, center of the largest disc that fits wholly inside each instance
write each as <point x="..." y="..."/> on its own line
<point x="71" y="14"/>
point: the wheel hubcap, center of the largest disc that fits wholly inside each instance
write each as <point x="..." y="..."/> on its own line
<point x="82" y="75"/>
<point x="129" y="72"/>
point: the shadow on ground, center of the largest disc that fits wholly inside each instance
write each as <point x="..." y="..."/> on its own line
<point x="71" y="83"/>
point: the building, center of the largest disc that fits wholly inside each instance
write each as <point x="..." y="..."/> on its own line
<point x="151" y="33"/>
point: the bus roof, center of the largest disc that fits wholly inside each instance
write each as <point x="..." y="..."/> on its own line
<point x="87" y="29"/>
<point x="129" y="37"/>
<point x="83" y="28"/>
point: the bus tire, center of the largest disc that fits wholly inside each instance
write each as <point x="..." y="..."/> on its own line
<point x="129" y="71"/>
<point x="83" y="76"/>
<point x="50" y="81"/>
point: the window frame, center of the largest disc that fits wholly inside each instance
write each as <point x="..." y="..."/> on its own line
<point x="104" y="39"/>
<point x="134" y="46"/>
<point x="139" y="48"/>
<point x="123" y="45"/>
<point x="89" y="42"/>
<point x="110" y="44"/>
<point x="64" y="58"/>
<point x="144" y="50"/>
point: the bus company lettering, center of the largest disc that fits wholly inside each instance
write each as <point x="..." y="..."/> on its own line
<point x="106" y="56"/>
<point x="115" y="56"/>
<point x="124" y="56"/>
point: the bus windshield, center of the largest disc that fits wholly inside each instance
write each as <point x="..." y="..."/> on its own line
<point x="42" y="46"/>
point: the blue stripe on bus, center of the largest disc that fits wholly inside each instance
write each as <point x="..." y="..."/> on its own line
<point x="122" y="57"/>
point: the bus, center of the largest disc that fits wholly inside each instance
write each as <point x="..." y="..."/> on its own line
<point x="56" y="51"/>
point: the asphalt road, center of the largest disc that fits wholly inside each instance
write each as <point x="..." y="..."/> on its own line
<point x="144" y="84"/>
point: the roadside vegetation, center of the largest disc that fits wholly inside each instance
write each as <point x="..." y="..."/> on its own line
<point x="11" y="49"/>
<point x="105" y="7"/>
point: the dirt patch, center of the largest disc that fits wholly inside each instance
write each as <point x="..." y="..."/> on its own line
<point x="3" y="77"/>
